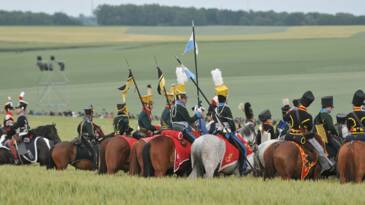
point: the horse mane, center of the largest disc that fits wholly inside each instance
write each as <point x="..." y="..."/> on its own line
<point x="47" y="131"/>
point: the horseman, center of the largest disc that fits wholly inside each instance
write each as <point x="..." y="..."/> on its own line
<point x="8" y="121"/>
<point x="283" y="127"/>
<point x="224" y="120"/>
<point x="266" y="129"/>
<point x="145" y="116"/>
<point x="211" y="125"/>
<point x="356" y="119"/>
<point x="165" y="119"/>
<point x="181" y="119"/>
<point x="249" y="113"/>
<point x="323" y="121"/>
<point x="301" y="129"/>
<point x="20" y="127"/>
<point x="87" y="134"/>
<point x="121" y="121"/>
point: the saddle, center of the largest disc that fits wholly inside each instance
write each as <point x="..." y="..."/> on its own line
<point x="83" y="152"/>
<point x="308" y="157"/>
<point x="27" y="149"/>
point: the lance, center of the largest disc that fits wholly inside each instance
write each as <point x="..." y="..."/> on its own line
<point x="134" y="82"/>
<point x="196" y="64"/>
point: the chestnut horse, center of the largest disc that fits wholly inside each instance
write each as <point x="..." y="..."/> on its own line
<point x="351" y="162"/>
<point x="159" y="157"/>
<point x="284" y="159"/>
<point x="136" y="159"/>
<point x="114" y="155"/>
<point x="65" y="153"/>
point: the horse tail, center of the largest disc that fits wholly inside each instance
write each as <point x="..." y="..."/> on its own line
<point x="147" y="164"/>
<point x="134" y="168"/>
<point x="51" y="164"/>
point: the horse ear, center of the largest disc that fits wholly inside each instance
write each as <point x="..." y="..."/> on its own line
<point x="54" y="124"/>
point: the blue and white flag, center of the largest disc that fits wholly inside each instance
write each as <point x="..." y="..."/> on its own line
<point x="190" y="45"/>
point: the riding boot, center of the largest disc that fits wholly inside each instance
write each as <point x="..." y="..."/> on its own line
<point x="326" y="164"/>
<point x="243" y="159"/>
<point x="188" y="136"/>
<point x="13" y="151"/>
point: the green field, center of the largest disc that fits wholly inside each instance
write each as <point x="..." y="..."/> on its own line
<point x="329" y="62"/>
<point x="36" y="185"/>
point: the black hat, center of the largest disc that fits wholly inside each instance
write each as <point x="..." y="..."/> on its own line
<point x="265" y="115"/>
<point x="248" y="111"/>
<point x="121" y="106"/>
<point x="296" y="102"/>
<point x="341" y="118"/>
<point x="307" y="99"/>
<point x="9" y="104"/>
<point x="285" y="108"/>
<point x="358" y="98"/>
<point x="39" y="58"/>
<point x="327" y="101"/>
<point x="52" y="58"/>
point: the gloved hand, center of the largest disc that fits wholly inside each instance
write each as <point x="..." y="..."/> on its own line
<point x="228" y="135"/>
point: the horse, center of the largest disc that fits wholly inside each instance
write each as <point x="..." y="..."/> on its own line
<point x="136" y="159"/>
<point x="351" y="162"/>
<point x="114" y="154"/>
<point x="286" y="159"/>
<point x="43" y="139"/>
<point x="65" y="153"/>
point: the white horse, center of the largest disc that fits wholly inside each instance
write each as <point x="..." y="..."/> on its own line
<point x="208" y="151"/>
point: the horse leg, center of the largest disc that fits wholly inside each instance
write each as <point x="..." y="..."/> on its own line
<point x="102" y="169"/>
<point x="43" y="153"/>
<point x="139" y="153"/>
<point x="162" y="156"/>
<point x="61" y="155"/>
<point x="134" y="166"/>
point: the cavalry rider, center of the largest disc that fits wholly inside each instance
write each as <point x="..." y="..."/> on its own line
<point x="181" y="119"/>
<point x="121" y="121"/>
<point x="356" y="119"/>
<point x="301" y="129"/>
<point x="324" y="119"/>
<point x="8" y="121"/>
<point x="165" y="119"/>
<point x="87" y="135"/>
<point x="20" y="127"/>
<point x="283" y="127"/>
<point x="145" y="116"/>
<point x="224" y="119"/>
<point x="266" y="130"/>
<point x="249" y="113"/>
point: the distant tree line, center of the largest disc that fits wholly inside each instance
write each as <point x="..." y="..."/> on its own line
<point x="154" y="14"/>
<point x="31" y="18"/>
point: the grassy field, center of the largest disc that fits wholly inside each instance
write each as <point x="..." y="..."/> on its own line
<point x="36" y="185"/>
<point x="329" y="60"/>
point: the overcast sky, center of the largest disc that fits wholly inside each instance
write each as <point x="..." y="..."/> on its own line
<point x="75" y="7"/>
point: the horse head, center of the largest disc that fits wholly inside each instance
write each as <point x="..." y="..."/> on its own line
<point x="248" y="131"/>
<point x="47" y="131"/>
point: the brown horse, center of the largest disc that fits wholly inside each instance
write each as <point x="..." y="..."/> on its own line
<point x="159" y="155"/>
<point x="136" y="159"/>
<point x="65" y="153"/>
<point x="351" y="162"/>
<point x="285" y="159"/>
<point x="114" y="154"/>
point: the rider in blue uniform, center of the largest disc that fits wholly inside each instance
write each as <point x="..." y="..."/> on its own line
<point x="224" y="120"/>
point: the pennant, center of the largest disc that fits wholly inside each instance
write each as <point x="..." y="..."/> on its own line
<point x="161" y="81"/>
<point x="124" y="88"/>
<point x="190" y="45"/>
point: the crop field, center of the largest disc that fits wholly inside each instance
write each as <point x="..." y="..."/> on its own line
<point x="36" y="185"/>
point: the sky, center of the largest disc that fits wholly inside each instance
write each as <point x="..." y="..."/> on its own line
<point x="76" y="7"/>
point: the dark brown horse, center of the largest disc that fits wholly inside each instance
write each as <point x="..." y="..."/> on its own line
<point x="285" y="159"/>
<point x="351" y="162"/>
<point x="114" y="154"/>
<point x="65" y="153"/>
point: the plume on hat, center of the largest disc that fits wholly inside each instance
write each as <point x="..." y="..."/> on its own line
<point x="286" y="101"/>
<point x="21" y="96"/>
<point x="149" y="90"/>
<point x="217" y="77"/>
<point x="181" y="76"/>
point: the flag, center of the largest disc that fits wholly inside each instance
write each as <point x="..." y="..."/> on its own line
<point x="190" y="45"/>
<point x="124" y="88"/>
<point x="188" y="73"/>
<point x="161" y="81"/>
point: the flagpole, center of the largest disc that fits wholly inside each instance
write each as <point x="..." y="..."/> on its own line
<point x="196" y="65"/>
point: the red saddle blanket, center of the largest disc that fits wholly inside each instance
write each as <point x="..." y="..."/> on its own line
<point x="232" y="154"/>
<point x="148" y="139"/>
<point x="130" y="140"/>
<point x="182" y="147"/>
